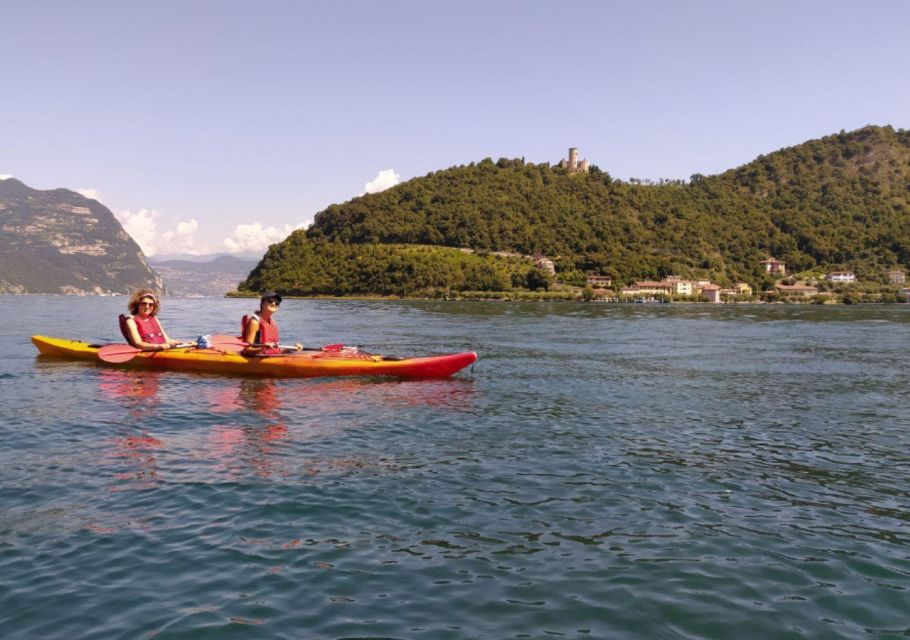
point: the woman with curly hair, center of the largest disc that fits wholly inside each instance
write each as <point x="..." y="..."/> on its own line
<point x="141" y="327"/>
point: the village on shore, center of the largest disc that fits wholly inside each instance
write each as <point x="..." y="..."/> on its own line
<point x="830" y="287"/>
<point x="819" y="288"/>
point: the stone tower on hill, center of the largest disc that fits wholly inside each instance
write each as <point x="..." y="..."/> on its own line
<point x="573" y="164"/>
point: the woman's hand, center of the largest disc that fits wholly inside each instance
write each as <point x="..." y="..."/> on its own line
<point x="298" y="346"/>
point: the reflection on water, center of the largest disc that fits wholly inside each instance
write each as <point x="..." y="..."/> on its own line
<point x="237" y="449"/>
<point x="138" y="454"/>
<point x="262" y="426"/>
<point x="136" y="391"/>
<point x="257" y="395"/>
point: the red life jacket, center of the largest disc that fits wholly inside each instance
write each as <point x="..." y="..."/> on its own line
<point x="149" y="329"/>
<point x="267" y="332"/>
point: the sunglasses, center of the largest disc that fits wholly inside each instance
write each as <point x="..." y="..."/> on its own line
<point x="277" y="303"/>
<point x="146" y="303"/>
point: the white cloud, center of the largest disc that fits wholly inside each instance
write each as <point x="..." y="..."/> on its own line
<point x="255" y="237"/>
<point x="5" y="176"/>
<point x="182" y="238"/>
<point x="91" y="194"/>
<point x="383" y="180"/>
<point x="143" y="228"/>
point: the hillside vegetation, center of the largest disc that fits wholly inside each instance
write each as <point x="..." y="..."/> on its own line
<point x="838" y="202"/>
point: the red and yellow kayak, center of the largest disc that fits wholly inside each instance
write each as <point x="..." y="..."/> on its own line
<point x="304" y="364"/>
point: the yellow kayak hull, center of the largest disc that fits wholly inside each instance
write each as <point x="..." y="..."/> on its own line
<point x="305" y="364"/>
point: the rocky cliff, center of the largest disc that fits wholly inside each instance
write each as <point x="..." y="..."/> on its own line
<point x="58" y="241"/>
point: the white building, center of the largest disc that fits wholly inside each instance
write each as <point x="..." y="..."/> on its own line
<point x="841" y="276"/>
<point x="775" y="266"/>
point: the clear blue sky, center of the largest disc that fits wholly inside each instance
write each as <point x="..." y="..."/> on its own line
<point x="188" y="118"/>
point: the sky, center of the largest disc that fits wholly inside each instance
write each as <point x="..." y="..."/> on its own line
<point x="222" y="125"/>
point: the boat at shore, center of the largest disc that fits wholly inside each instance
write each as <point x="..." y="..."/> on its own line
<point x="349" y="361"/>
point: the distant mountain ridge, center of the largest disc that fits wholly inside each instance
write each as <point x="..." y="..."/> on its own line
<point x="58" y="241"/>
<point x="839" y="202"/>
<point x="214" y="277"/>
<point x="160" y="258"/>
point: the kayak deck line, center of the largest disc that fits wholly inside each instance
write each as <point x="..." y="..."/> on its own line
<point x="350" y="362"/>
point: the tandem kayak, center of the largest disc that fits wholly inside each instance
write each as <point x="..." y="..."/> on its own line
<point x="303" y="364"/>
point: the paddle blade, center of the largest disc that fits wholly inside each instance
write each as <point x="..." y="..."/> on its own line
<point x="117" y="353"/>
<point x="229" y="344"/>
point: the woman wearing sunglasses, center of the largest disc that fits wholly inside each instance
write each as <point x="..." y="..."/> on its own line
<point x="141" y="328"/>
<point x="260" y="330"/>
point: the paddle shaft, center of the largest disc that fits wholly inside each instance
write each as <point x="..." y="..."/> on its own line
<point x="119" y="353"/>
<point x="221" y="341"/>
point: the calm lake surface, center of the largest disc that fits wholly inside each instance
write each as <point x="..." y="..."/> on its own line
<point x="606" y="471"/>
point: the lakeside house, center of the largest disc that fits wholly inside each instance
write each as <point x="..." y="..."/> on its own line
<point x="676" y="286"/>
<point x="682" y="288"/>
<point x="739" y="289"/>
<point x="679" y="286"/>
<point x="711" y="292"/>
<point x="841" y="276"/>
<point x="599" y="281"/>
<point x="647" y="287"/>
<point x="775" y="266"/>
<point x="896" y="276"/>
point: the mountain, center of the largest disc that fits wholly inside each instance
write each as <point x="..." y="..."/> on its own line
<point x="840" y="202"/>
<point x="214" y="277"/>
<point x="58" y="241"/>
<point x="158" y="258"/>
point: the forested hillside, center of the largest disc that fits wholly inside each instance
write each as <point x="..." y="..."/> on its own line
<point x="838" y="202"/>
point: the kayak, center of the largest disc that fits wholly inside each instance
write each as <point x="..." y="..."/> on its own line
<point x="348" y="361"/>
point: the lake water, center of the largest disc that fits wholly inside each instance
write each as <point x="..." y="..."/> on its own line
<point x="606" y="471"/>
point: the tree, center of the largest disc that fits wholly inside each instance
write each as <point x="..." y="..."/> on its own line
<point x="539" y="279"/>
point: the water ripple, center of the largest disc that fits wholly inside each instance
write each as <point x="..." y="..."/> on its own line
<point x="608" y="471"/>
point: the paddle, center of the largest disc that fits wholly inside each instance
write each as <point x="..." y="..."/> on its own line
<point x="119" y="353"/>
<point x="116" y="353"/>
<point x="233" y="344"/>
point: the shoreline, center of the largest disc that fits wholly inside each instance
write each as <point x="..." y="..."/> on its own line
<point x="544" y="297"/>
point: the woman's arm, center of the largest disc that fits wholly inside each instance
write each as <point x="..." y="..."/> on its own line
<point x="252" y="328"/>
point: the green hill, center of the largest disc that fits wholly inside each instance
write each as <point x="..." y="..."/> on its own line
<point x="838" y="202"/>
